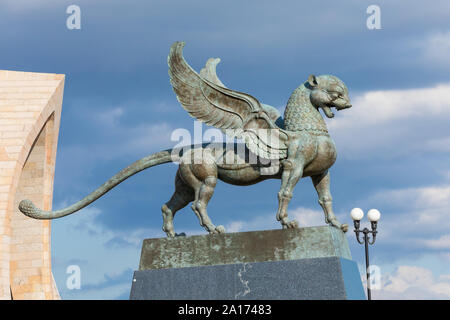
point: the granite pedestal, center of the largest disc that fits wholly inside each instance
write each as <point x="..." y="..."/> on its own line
<point x="305" y="263"/>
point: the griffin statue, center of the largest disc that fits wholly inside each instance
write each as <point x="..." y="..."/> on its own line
<point x="300" y="143"/>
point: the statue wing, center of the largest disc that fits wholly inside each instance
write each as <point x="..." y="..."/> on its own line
<point x="238" y="114"/>
<point x="208" y="72"/>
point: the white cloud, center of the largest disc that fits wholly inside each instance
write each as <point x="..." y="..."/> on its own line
<point x="149" y="137"/>
<point x="101" y="254"/>
<point x="113" y="142"/>
<point x="235" y="226"/>
<point x="378" y="107"/>
<point x="416" y="198"/>
<point x="85" y="221"/>
<point x="108" y="292"/>
<point x="442" y="242"/>
<point x="388" y="123"/>
<point x="136" y="139"/>
<point x="413" y="282"/>
<point x="437" y="48"/>
<point x="418" y="218"/>
<point x="110" y="117"/>
<point x="306" y="218"/>
<point x="262" y="222"/>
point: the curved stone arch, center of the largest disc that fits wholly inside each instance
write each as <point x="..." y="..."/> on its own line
<point x="27" y="147"/>
<point x="30" y="110"/>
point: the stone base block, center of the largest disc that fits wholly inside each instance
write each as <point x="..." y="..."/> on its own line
<point x="307" y="263"/>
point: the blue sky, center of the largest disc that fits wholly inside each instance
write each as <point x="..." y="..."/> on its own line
<point x="393" y="145"/>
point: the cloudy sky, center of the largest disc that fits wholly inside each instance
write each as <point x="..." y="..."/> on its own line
<point x="393" y="145"/>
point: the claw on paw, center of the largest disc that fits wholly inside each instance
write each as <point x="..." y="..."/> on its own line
<point x="290" y="224"/>
<point x="215" y="230"/>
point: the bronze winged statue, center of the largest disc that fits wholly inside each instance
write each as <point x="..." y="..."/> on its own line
<point x="300" y="143"/>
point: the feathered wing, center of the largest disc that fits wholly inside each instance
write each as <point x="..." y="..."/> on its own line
<point x="208" y="72"/>
<point x="238" y="114"/>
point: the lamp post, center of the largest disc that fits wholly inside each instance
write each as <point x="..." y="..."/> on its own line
<point x="373" y="215"/>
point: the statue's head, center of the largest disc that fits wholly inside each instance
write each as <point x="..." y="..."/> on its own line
<point x="328" y="92"/>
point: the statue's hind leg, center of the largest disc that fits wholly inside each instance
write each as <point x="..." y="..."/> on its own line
<point x="181" y="197"/>
<point x="202" y="196"/>
<point x="201" y="174"/>
<point x="322" y="184"/>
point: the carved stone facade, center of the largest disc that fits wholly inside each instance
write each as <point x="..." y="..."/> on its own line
<point x="30" y="111"/>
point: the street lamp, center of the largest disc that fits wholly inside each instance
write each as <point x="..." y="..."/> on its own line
<point x="373" y="215"/>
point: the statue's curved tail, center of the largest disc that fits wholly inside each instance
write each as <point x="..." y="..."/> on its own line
<point x="28" y="208"/>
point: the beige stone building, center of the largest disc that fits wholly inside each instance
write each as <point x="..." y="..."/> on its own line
<point x="30" y="111"/>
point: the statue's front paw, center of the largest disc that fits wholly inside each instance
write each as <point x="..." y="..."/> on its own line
<point x="293" y="224"/>
<point x="170" y="234"/>
<point x="215" y="230"/>
<point x="168" y="229"/>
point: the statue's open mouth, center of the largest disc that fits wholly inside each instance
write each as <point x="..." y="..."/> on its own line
<point x="327" y="109"/>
